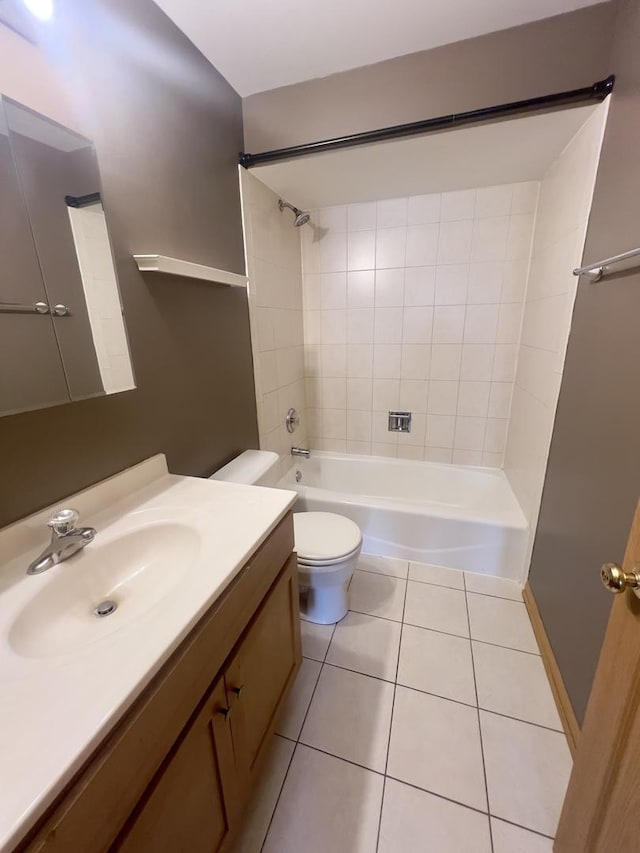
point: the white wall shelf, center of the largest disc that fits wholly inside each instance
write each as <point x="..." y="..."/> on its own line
<point x="173" y="266"/>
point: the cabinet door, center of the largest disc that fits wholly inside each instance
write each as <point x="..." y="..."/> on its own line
<point x="262" y="670"/>
<point x="190" y="806"/>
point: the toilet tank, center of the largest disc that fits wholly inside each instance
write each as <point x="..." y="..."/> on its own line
<point x="253" y="467"/>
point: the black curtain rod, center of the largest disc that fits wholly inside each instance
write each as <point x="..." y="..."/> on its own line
<point x="545" y="103"/>
<point x="82" y="200"/>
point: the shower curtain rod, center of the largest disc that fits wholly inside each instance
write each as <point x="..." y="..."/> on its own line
<point x="545" y="103"/>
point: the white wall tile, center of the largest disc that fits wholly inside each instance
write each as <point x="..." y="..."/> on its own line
<point x="361" y="250"/>
<point x="388" y="325"/>
<point x="486" y="282"/>
<point x="469" y="433"/>
<point x="451" y="284"/>
<point x="333" y="252"/>
<point x="424" y="209"/>
<point x="417" y="325"/>
<point x="440" y="430"/>
<point x="386" y="361"/>
<point x="494" y="201"/>
<point x="360" y="394"/>
<point x="459" y="204"/>
<point x="333" y="290"/>
<point x="561" y="215"/>
<point x="449" y="324"/>
<point x="422" y="245"/>
<point x="360" y="360"/>
<point x="360" y="325"/>
<point x="392" y="212"/>
<point x="473" y="399"/>
<point x="454" y="244"/>
<point x="419" y="286"/>
<point x="416" y="359"/>
<point x="490" y="237"/>
<point x="360" y="289"/>
<point x="481" y="324"/>
<point x="389" y="288"/>
<point x="477" y="361"/>
<point x="443" y="397"/>
<point x="401" y="316"/>
<point x="361" y="217"/>
<point x="390" y="247"/>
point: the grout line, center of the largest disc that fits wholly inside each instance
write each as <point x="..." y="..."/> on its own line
<point x="475" y="687"/>
<point x="284" y="779"/>
<point x="486" y="814"/>
<point x="340" y="758"/>
<point x="297" y="740"/>
<point x="393" y="702"/>
<point x="521" y="826"/>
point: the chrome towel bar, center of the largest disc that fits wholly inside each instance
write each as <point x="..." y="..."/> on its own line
<point x="596" y="270"/>
<point x="18" y="308"/>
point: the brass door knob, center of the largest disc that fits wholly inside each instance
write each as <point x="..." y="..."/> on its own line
<point x="616" y="579"/>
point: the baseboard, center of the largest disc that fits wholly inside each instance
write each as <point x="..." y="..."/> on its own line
<point x="565" y="709"/>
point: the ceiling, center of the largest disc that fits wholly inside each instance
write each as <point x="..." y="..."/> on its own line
<point x="262" y="44"/>
<point x="500" y="153"/>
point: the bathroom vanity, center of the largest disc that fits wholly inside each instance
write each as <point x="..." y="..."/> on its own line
<point x="157" y="731"/>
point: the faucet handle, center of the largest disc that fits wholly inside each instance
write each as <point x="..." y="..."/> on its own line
<point x="63" y="521"/>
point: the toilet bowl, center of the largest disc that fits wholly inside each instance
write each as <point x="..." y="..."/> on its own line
<point x="327" y="544"/>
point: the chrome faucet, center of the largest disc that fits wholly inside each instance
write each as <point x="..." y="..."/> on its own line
<point x="66" y="540"/>
<point x="300" y="451"/>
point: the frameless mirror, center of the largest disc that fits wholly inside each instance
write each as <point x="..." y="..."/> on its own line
<point x="62" y="331"/>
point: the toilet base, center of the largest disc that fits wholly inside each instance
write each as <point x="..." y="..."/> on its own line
<point x="324" y="606"/>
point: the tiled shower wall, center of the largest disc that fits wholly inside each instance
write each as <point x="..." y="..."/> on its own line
<point x="416" y="303"/>
<point x="272" y="247"/>
<point x="561" y="225"/>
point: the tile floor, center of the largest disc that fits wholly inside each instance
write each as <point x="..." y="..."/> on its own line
<point x="423" y="721"/>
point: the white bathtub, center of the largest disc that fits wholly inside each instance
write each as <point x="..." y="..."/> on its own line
<point x="447" y="515"/>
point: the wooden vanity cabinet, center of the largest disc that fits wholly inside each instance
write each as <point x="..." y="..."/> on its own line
<point x="145" y="791"/>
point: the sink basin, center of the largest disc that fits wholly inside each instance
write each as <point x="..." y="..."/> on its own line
<point x="134" y="571"/>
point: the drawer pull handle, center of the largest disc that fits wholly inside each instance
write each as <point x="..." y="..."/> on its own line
<point x="226" y="712"/>
<point x="238" y="690"/>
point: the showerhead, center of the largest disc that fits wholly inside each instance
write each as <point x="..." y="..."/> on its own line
<point x="301" y="216"/>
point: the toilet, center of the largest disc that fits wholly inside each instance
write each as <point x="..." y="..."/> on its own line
<point x="327" y="544"/>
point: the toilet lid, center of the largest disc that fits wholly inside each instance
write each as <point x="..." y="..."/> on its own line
<point x="324" y="536"/>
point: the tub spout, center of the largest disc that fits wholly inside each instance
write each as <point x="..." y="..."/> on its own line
<point x="300" y="451"/>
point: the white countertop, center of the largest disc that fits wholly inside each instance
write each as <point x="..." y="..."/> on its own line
<point x="55" y="710"/>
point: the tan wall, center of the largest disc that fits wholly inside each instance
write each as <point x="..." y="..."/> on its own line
<point x="556" y="54"/>
<point x="593" y="475"/>
<point x="167" y="129"/>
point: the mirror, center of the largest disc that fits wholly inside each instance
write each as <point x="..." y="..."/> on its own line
<point x="62" y="331"/>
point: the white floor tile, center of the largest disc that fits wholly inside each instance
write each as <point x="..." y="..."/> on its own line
<point x="377" y="595"/>
<point x="413" y="820"/>
<point x="298" y="700"/>
<point x="527" y="772"/>
<point x="350" y="717"/>
<point x="264" y="797"/>
<point x="435" y="744"/>
<point x="491" y="585"/>
<point x="383" y="565"/>
<point x="315" y="639"/>
<point x="437" y="575"/>
<point x="436" y="607"/>
<point x="505" y="623"/>
<point x="366" y="644"/>
<point x="515" y="684"/>
<point x="512" y="839"/>
<point x="437" y="663"/>
<point x="326" y="805"/>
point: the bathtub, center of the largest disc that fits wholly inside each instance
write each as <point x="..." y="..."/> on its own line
<point x="446" y="515"/>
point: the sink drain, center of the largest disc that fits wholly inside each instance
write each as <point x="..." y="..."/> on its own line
<point x="106" y="608"/>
